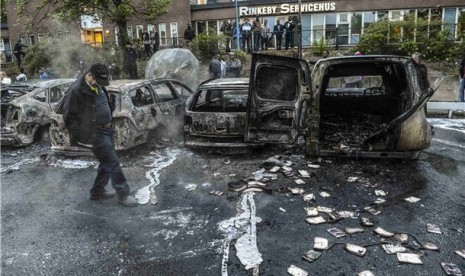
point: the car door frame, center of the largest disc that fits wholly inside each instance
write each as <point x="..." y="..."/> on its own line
<point x="273" y="110"/>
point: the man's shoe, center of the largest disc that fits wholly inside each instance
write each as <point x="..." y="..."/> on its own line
<point x="104" y="195"/>
<point x="128" y="201"/>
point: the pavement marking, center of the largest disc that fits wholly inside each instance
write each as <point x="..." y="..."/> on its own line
<point x="147" y="193"/>
<point x="243" y="229"/>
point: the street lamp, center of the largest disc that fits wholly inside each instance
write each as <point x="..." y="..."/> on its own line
<point x="299" y="29"/>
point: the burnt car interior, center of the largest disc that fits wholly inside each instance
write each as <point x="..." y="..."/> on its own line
<point x="357" y="99"/>
<point x="141" y="97"/>
<point x="219" y="100"/>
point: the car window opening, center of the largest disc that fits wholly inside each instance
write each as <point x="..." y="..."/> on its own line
<point x="221" y="100"/>
<point x="357" y="99"/>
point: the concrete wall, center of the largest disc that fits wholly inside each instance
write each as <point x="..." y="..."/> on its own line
<point x="448" y="91"/>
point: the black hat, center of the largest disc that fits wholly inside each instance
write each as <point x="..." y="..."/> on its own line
<point x="100" y="73"/>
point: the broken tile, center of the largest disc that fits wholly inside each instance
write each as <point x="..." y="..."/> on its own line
<point x="451" y="269"/>
<point x="366" y="273"/>
<point x="352" y="179"/>
<point x="299" y="181"/>
<point x="393" y="248"/>
<point x="336" y="232"/>
<point x="274" y="169"/>
<point x="313" y="166"/>
<point x="402" y="238"/>
<point x="412" y="199"/>
<point x="311" y="211"/>
<point x="380" y="231"/>
<point x="356" y="250"/>
<point x="461" y="253"/>
<point x="325" y="194"/>
<point x="325" y="209"/>
<point x="191" y="187"/>
<point x="320" y="243"/>
<point x="312" y="255"/>
<point x="410" y="258"/>
<point x="308" y="197"/>
<point x="380" y="193"/>
<point x="296" y="191"/>
<point x="304" y="173"/>
<point x="295" y="271"/>
<point x="316" y="220"/>
<point x="366" y="222"/>
<point x="433" y="228"/>
<point x="217" y="193"/>
<point x="354" y="230"/>
<point x="373" y="211"/>
<point x="431" y="246"/>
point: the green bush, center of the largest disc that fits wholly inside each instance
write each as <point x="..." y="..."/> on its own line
<point x="206" y="45"/>
<point x="320" y="46"/>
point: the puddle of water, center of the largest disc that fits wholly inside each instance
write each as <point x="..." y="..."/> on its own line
<point x="159" y="162"/>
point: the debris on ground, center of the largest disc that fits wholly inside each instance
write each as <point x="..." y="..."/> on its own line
<point x="366" y="273"/>
<point x="383" y="233"/>
<point x="320" y="243"/>
<point x="412" y="199"/>
<point x="410" y="258"/>
<point x="295" y="271"/>
<point x="393" y="248"/>
<point x="217" y="193"/>
<point x="336" y="232"/>
<point x="282" y="209"/>
<point x="312" y="255"/>
<point x="451" y="269"/>
<point x="356" y="250"/>
<point x="316" y="220"/>
<point x="308" y="197"/>
<point x="461" y="253"/>
<point x="311" y="211"/>
<point x="354" y="230"/>
<point x="433" y="228"/>
<point x="191" y="187"/>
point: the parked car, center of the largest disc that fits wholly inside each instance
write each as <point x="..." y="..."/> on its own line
<point x="141" y="109"/>
<point x="27" y="117"/>
<point x="216" y="114"/>
<point x="360" y="106"/>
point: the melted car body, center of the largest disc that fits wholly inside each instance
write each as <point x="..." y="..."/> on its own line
<point x="364" y="106"/>
<point x="141" y="109"/>
<point x="216" y="114"/>
<point x="27" y="117"/>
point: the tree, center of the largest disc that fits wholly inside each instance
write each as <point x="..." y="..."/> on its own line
<point x="115" y="11"/>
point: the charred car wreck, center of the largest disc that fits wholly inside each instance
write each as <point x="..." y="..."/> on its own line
<point x="141" y="109"/>
<point x="27" y="117"/>
<point x="366" y="106"/>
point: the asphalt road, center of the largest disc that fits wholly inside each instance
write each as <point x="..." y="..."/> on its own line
<point x="49" y="226"/>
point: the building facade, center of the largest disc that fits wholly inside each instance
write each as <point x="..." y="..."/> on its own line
<point x="338" y="22"/>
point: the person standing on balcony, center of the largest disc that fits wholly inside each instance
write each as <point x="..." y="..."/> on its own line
<point x="278" y="31"/>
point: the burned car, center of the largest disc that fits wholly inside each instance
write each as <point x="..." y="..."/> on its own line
<point x="17" y="89"/>
<point x="361" y="106"/>
<point x="27" y="118"/>
<point x="216" y="114"/>
<point x="141" y="110"/>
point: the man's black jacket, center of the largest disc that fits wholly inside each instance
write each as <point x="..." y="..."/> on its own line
<point x="79" y="113"/>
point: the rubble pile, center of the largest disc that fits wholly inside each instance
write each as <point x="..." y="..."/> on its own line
<point x="342" y="131"/>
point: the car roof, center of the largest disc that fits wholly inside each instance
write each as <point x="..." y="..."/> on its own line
<point x="226" y="82"/>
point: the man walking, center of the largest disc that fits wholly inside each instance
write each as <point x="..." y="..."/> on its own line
<point x="87" y="116"/>
<point x="278" y="31"/>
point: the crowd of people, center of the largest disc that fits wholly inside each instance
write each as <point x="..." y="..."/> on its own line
<point x="258" y="35"/>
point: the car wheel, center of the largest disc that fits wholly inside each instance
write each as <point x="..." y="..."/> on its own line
<point x="43" y="135"/>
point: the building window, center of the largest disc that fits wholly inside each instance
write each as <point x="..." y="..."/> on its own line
<point x="130" y="35"/>
<point x="32" y="40"/>
<point x="355" y="27"/>
<point x="150" y="28"/>
<point x="330" y="28"/>
<point x="318" y="27"/>
<point x="139" y="31"/>
<point x="368" y="19"/>
<point x="450" y="20"/>
<point x="174" y="33"/>
<point x="162" y="31"/>
<point x="117" y="36"/>
<point x="343" y="28"/>
<point x="201" y="27"/>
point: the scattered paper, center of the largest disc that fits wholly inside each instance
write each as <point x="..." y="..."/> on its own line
<point x="356" y="250"/>
<point x="217" y="193"/>
<point x="366" y="273"/>
<point x="380" y="200"/>
<point x="380" y="193"/>
<point x="313" y="166"/>
<point x="354" y="230"/>
<point x="410" y="258"/>
<point x="412" y="199"/>
<point x="325" y="209"/>
<point x="336" y="232"/>
<point x="393" y="248"/>
<point x="274" y="169"/>
<point x="191" y="187"/>
<point x="316" y="220"/>
<point x="451" y="269"/>
<point x="308" y="197"/>
<point x="402" y="238"/>
<point x="312" y="255"/>
<point x="373" y="211"/>
<point x="295" y="271"/>
<point x="366" y="222"/>
<point x="352" y="179"/>
<point x="380" y="231"/>
<point x="299" y="181"/>
<point x="320" y="243"/>
<point x="324" y="194"/>
<point x="311" y="211"/>
<point x="296" y="191"/>
<point x="287" y="169"/>
<point x="431" y="246"/>
<point x="304" y="173"/>
<point x="433" y="228"/>
<point x="347" y="214"/>
<point x="461" y="253"/>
